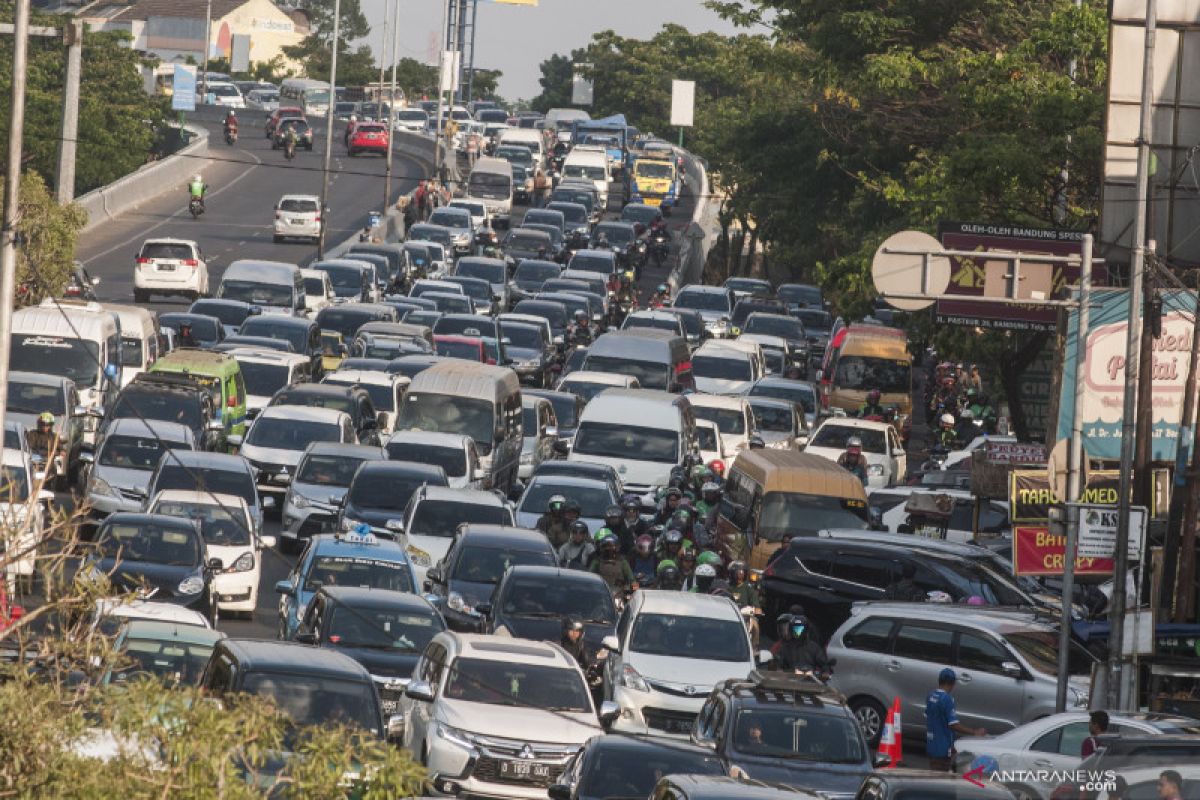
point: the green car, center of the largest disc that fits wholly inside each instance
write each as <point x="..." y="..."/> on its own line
<point x="220" y="374"/>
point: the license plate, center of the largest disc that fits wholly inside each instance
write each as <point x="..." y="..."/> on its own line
<point x="672" y="725"/>
<point x="389" y="707"/>
<point x="166" y="267"/>
<point x="525" y="770"/>
<point x="299" y="221"/>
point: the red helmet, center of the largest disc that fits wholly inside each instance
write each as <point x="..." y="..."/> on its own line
<point x="717" y="466"/>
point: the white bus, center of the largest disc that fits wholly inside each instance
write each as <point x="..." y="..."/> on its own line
<point x="312" y="96"/>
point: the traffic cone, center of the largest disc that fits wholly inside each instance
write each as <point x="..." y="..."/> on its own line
<point x="897" y="733"/>
<point x="889" y="741"/>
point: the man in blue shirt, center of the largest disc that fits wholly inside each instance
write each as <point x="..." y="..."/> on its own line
<point x="941" y="723"/>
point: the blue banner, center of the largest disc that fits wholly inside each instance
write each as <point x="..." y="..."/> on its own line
<point x="183" y="97"/>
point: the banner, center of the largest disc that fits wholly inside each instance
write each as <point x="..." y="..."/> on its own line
<point x="1030" y="495"/>
<point x="183" y="97"/>
<point x="1036" y="551"/>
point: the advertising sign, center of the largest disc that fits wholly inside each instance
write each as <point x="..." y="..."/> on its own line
<point x="683" y="101"/>
<point x="1098" y="531"/>
<point x="967" y="276"/>
<point x="1104" y="373"/>
<point x="1014" y="453"/>
<point x="1030" y="494"/>
<point x="582" y="86"/>
<point x="184" y="88"/>
<point x="1036" y="551"/>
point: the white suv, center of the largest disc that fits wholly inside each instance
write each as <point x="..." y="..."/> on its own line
<point x="494" y="716"/>
<point x="298" y="216"/>
<point x="170" y="267"/>
<point x="670" y="649"/>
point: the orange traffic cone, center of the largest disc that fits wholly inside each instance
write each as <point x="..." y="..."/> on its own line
<point x="889" y="741"/>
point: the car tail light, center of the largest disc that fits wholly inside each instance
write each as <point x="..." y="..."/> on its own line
<point x="317" y="218"/>
<point x="190" y="262"/>
<point x="143" y="261"/>
<point x="16" y="612"/>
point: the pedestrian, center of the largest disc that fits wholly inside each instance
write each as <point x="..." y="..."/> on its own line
<point x="419" y="195"/>
<point x="1170" y="785"/>
<point x="1097" y="724"/>
<point x="941" y="723"/>
<point x="541" y="188"/>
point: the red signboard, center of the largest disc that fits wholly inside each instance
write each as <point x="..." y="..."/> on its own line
<point x="967" y="275"/>
<point x="1038" y="552"/>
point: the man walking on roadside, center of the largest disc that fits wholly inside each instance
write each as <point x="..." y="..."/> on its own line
<point x="941" y="723"/>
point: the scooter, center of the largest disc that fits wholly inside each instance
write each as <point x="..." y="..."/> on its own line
<point x="196" y="207"/>
<point x="231" y="136"/>
<point x="289" y="150"/>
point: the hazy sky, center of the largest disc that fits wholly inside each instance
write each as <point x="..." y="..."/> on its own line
<point x="516" y="39"/>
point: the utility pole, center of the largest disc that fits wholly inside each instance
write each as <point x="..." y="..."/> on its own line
<point x="337" y="20"/>
<point x="12" y="194"/>
<point x="1184" y="566"/>
<point x="471" y="59"/>
<point x="1143" y="439"/>
<point x="442" y="69"/>
<point x="387" y="16"/>
<point x="73" y="39"/>
<point x="387" y="182"/>
<point x="1117" y="693"/>
<point x="207" y="47"/>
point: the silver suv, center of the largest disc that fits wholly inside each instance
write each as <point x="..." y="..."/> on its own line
<point x="1006" y="661"/>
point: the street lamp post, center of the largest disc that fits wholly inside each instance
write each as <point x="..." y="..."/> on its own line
<point x="337" y="18"/>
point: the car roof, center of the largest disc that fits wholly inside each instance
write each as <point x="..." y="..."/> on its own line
<point x="472" y="496"/>
<point x="305" y="413"/>
<point x="157" y="428"/>
<point x="344" y="449"/>
<point x="769" y="402"/>
<point x="153" y="629"/>
<point x="779" y="380"/>
<point x="376" y="548"/>
<point x="202" y="497"/>
<point x="595" y="376"/>
<point x="733" y="402"/>
<point x="140" y="518"/>
<point x="723" y="787"/>
<point x="658" y="601"/>
<point x="274" y="656"/>
<point x="430" y="438"/>
<point x="574" y="481"/>
<point x="509" y="650"/>
<point x="546" y="574"/>
<point x="504" y="536"/>
<point x="204" y="459"/>
<point x="993" y="618"/>
<point x="362" y="597"/>
<point x="851" y="422"/>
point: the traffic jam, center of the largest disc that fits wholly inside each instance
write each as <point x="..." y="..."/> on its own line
<point x="506" y="494"/>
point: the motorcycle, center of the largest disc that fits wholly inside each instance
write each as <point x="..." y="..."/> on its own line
<point x="289" y="149"/>
<point x="231" y="135"/>
<point x="196" y="207"/>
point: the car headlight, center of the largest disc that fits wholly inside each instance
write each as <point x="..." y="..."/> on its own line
<point x="456" y="602"/>
<point x="193" y="584"/>
<point x="101" y="486"/>
<point x="300" y="501"/>
<point x="455" y="736"/>
<point x="630" y="679"/>
<point x="349" y="524"/>
<point x="527" y="458"/>
<point x="244" y="563"/>
<point x="875" y="469"/>
<point x="419" y="557"/>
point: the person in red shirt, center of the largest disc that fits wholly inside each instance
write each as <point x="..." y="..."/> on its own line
<point x="1097" y="724"/>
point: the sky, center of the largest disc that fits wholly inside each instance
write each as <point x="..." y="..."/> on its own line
<point x="517" y="39"/>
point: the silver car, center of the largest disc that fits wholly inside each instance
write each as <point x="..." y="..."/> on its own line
<point x="127" y="452"/>
<point x="1006" y="661"/>
<point x="322" y="476"/>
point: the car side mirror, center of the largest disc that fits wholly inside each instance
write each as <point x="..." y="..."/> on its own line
<point x="1012" y="669"/>
<point x="562" y="447"/>
<point x="609" y="711"/>
<point x="764" y="657"/>
<point x="267" y="542"/>
<point x="306" y="637"/>
<point x="337" y="500"/>
<point x="552" y="431"/>
<point x="559" y="791"/>
<point x="216" y="564"/>
<point x="87" y="458"/>
<point x="611" y="643"/>
<point x="434" y="575"/>
<point x="881" y="760"/>
<point x="80" y="411"/>
<point x="420" y="690"/>
<point x="284" y="588"/>
<point x="234" y="440"/>
<point x="268" y="503"/>
<point x="395" y="728"/>
<point x="483" y="608"/>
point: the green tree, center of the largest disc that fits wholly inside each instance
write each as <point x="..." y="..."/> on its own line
<point x="355" y="66"/>
<point x="555" y="81"/>
<point x="416" y="79"/>
<point x="485" y="83"/>
<point x="48" y="234"/>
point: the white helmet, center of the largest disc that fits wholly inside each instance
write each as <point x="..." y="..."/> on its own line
<point x="197" y="178"/>
<point x="947" y="419"/>
<point x="233" y="112"/>
<point x="966" y="413"/>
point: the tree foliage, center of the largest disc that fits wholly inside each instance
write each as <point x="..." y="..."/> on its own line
<point x="356" y="66"/>
<point x="48" y="233"/>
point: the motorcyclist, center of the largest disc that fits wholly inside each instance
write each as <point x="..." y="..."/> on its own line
<point x="800" y="651"/>
<point x="582" y="334"/>
<point x="718" y="468"/>
<point x="710" y="501"/>
<point x="186" y="338"/>
<point x="231" y="123"/>
<point x="701" y="580"/>
<point x="853" y="460"/>
<point x="946" y="396"/>
<point x="642" y="560"/>
<point x="684" y="521"/>
<point x="687" y="563"/>
<point x="197" y="188"/>
<point x="983" y="410"/>
<point x="611" y="567"/>
<point x="667" y="576"/>
<point x="965" y="430"/>
<point x="573" y="642"/>
<point x="631" y="518"/>
<point x="946" y="435"/>
<point x="669" y="505"/>
<point x="290" y="139"/>
<point x="670" y="546"/>
<point x="553" y="523"/>
<point x="745" y="592"/>
<point x="872" y="408"/>
<point x="579" y="550"/>
<point x="661" y="296"/>
<point x="614" y="521"/>
<point x="42" y="440"/>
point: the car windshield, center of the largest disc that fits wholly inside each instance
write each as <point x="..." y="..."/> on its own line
<point x="168" y="406"/>
<point x="452" y="460"/>
<point x="176" y="662"/>
<point x="328" y="469"/>
<point x="284" y="433"/>
<point x="770" y="418"/>
<point x="795" y="513"/>
<point x="618" y="772"/>
<point x="442" y="517"/>
<point x="269" y="328"/>
<point x="584" y="389"/>
<point x="203" y="329"/>
<point x="809" y="295"/>
<point x="264" y="380"/>
<point x="224" y="527"/>
<point x="793" y="734"/>
<point x="63" y="357"/>
<point x="167" y="251"/>
<point x="450" y="414"/>
<point x="566" y="410"/>
<point x="747" y="285"/>
<point x="345" y="403"/>
<point x="523" y="336"/>
<point x="358" y="570"/>
<point x="153" y="544"/>
<point x="381" y="629"/>
<point x="815" y="321"/>
<point x="474" y="209"/>
<point x="681" y="636"/>
<point x="836" y="436"/>
<point x="298" y="205"/>
<point x="451" y="219"/>
<point x="344" y="277"/>
<point x="35" y="398"/>
<point x="613" y="440"/>
<point x="263" y="294"/>
<point x="412" y="116"/>
<point x="434" y="233"/>
<point x="585" y="172"/>
<point x="345" y="321"/>
<point x="702" y="301"/>
<point x="131" y="351"/>
<point x="654" y="169"/>
<point x="488" y="564"/>
<point x="314" y="287"/>
<point x="863" y="373"/>
<point x="572" y="212"/>
<point x="489" y="185"/>
<point x="14" y="485"/>
<point x="592" y="500"/>
<point x="707" y="437"/>
<point x="228" y="314"/>
<point x="1040" y="649"/>
<point x="800" y="393"/>
<point x="135" y="452"/>
<point x="317" y="700"/>
<point x="458" y="348"/>
<point x="589" y="601"/>
<point x="615" y="234"/>
<point x="650" y="374"/>
<point x="730" y="421"/>
<point x="524" y="686"/>
<point x="535" y="272"/>
<point x="719" y="368"/>
<point x="784" y="327"/>
<point x="239" y="483"/>
<point x="531" y="241"/>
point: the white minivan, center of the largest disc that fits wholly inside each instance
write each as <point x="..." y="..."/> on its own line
<point x="169" y="267"/>
<point x="641" y="433"/>
<point x="491" y="182"/>
<point x="139" y="339"/>
<point x="273" y="286"/>
<point x="589" y="165"/>
<point x="530" y="138"/>
<point x="298" y="216"/>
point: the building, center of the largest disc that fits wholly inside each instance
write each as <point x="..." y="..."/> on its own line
<point x="173" y="30"/>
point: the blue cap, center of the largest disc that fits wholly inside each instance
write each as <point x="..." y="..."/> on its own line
<point x="947" y="676"/>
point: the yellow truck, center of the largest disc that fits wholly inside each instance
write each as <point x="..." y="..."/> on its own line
<point x="656" y="182"/>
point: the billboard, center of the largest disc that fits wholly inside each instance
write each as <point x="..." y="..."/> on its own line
<point x="183" y="97"/>
<point x="683" y="103"/>
<point x="967" y="275"/>
<point x="1104" y="373"/>
<point x="582" y="85"/>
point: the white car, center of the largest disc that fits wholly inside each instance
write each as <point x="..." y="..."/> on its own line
<point x="265" y="372"/>
<point x="318" y="291"/>
<point x="712" y="446"/>
<point x="586" y="384"/>
<point x="263" y="99"/>
<point x="481" y="218"/>
<point x="424" y="526"/>
<point x="385" y="388"/>
<point x="298" y="216"/>
<point x="724" y="370"/>
<point x="169" y="267"/>
<point x="887" y="463"/>
<point x="112" y="611"/>
<point x="22" y="516"/>
<point x="220" y="93"/>
<point x="411" y="120"/>
<point x="276" y="441"/>
<point x="455" y="453"/>
<point x="1052" y="746"/>
<point x="492" y="716"/>
<point x="437" y="267"/>
<point x="670" y="650"/>
<point x="230" y="535"/>
<point x="732" y="415"/>
<point x="891" y="503"/>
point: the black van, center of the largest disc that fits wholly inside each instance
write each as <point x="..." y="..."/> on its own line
<point x="301" y="333"/>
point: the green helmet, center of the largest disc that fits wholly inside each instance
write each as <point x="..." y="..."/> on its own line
<point x="709" y="557"/>
<point x="46" y="417"/>
<point x="600" y="534"/>
<point x="698" y="472"/>
<point x="666" y="562"/>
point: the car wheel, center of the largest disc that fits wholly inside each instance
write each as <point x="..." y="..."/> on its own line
<point x="870" y="716"/>
<point x="279" y="239"/>
<point x="214" y="612"/>
<point x="140" y="297"/>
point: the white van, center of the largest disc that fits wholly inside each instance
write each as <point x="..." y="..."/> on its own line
<point x="641" y="433"/>
<point x="530" y="138"/>
<point x="733" y="417"/>
<point x="273" y="286"/>
<point x="71" y="339"/>
<point x="589" y="165"/>
<point x="722" y="366"/>
<point x="491" y="183"/>
<point x="265" y="372"/>
<point x="139" y="339"/>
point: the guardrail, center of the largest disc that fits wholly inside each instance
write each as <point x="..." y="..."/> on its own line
<point x="149" y="181"/>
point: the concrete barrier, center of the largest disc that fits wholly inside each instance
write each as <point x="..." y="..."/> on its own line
<point x="147" y="182"/>
<point x="696" y="239"/>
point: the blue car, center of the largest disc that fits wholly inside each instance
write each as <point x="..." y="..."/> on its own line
<point x="356" y="558"/>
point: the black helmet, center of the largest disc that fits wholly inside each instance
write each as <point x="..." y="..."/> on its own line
<point x="571" y="624"/>
<point x="668" y="578"/>
<point x="632" y="504"/>
<point x="579" y="526"/>
<point x="612" y="512"/>
<point x="571" y="505"/>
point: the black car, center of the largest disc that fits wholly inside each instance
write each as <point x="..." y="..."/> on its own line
<point x="567" y="408"/>
<point x="231" y="313"/>
<point x="578" y="469"/>
<point x="219" y="473"/>
<point x="157" y="557"/>
<point x="629" y="766"/>
<point x="558" y="242"/>
<point x="529" y="350"/>
<point x="622" y="239"/>
<point x="787" y="328"/>
<point x="302" y="334"/>
<point x="721" y="787"/>
<point x="383" y="630"/>
<point x="577" y="223"/>
<point x="531" y="603"/>
<point x="754" y="305"/>
<point x="206" y="330"/>
<point x="380" y="491"/>
<point x="348" y="318"/>
<point x="413" y="364"/>
<point x="818" y="325"/>
<point x="355" y="401"/>
<point x="304" y="134"/>
<point x="787" y="729"/>
<point x="546" y="216"/>
<point x="801" y="295"/>
<point x="522" y="243"/>
<point x="827" y="577"/>
<point x="171" y="398"/>
<point x="236" y="342"/>
<point x="902" y="784"/>
<point x="749" y="287"/>
<point x="477" y="559"/>
<point x="552" y="311"/>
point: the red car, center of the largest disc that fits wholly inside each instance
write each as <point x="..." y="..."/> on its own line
<point x="281" y="113"/>
<point x="465" y="347"/>
<point x="368" y="137"/>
